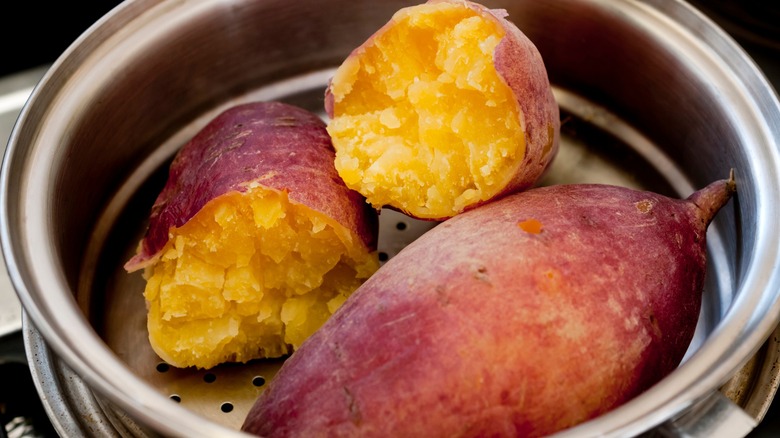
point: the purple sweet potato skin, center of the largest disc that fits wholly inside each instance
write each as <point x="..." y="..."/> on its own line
<point x="486" y="327"/>
<point x="529" y="81"/>
<point x="277" y="145"/>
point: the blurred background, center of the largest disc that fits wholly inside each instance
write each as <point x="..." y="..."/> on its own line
<point x="32" y="36"/>
<point x="34" y="33"/>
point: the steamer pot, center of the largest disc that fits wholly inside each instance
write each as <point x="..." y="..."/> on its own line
<point x="653" y="95"/>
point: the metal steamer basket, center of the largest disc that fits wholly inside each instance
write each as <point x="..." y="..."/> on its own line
<point x="653" y="95"/>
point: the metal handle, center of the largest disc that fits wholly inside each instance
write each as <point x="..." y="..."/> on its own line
<point x="714" y="416"/>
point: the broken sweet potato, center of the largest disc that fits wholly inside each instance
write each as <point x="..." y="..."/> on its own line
<point x="444" y="108"/>
<point x="254" y="241"/>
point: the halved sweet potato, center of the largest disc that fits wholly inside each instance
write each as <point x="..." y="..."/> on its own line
<point x="446" y="107"/>
<point x="254" y="240"/>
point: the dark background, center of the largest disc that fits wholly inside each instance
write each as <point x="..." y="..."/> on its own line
<point x="35" y="32"/>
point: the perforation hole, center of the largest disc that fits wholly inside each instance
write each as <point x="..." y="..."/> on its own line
<point x="258" y="381"/>
<point x="209" y="377"/>
<point x="226" y="407"/>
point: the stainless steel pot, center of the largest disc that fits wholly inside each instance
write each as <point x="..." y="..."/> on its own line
<point x="652" y="93"/>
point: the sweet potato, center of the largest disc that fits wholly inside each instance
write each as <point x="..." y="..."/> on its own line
<point x="254" y="240"/>
<point x="444" y="108"/>
<point x="522" y="317"/>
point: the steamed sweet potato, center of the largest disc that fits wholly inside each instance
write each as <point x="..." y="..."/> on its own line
<point x="254" y="240"/>
<point x="444" y="108"/>
<point x="523" y="317"/>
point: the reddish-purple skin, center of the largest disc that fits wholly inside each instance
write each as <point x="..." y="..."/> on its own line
<point x="461" y="334"/>
<point x="279" y="146"/>
<point x="528" y="79"/>
<point x="519" y="63"/>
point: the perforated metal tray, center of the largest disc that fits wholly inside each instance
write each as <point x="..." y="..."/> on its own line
<point x="596" y="147"/>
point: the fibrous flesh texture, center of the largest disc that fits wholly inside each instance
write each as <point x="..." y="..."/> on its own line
<point x="422" y="119"/>
<point x="254" y="241"/>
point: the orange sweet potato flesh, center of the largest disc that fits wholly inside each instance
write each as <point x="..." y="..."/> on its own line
<point x="446" y="107"/>
<point x="523" y="317"/>
<point x="254" y="241"/>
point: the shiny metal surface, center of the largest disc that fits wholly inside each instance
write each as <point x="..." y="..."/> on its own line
<point x="73" y="408"/>
<point x="655" y="92"/>
<point x="715" y="416"/>
<point x="14" y="91"/>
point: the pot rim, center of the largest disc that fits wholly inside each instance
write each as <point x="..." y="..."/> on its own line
<point x="725" y="350"/>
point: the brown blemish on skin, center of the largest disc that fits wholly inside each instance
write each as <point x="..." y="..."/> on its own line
<point x="587" y="220"/>
<point x="354" y="411"/>
<point x="481" y="274"/>
<point x="285" y="121"/>
<point x="531" y="226"/>
<point x="644" y="206"/>
<point x="654" y="326"/>
<point x="550" y="281"/>
<point x="678" y="239"/>
<point x="548" y="147"/>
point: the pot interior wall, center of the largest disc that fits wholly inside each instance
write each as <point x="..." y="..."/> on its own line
<point x="643" y="105"/>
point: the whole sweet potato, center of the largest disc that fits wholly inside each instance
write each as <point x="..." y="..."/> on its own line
<point x="523" y="317"/>
<point x="444" y="108"/>
<point x="254" y="240"/>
